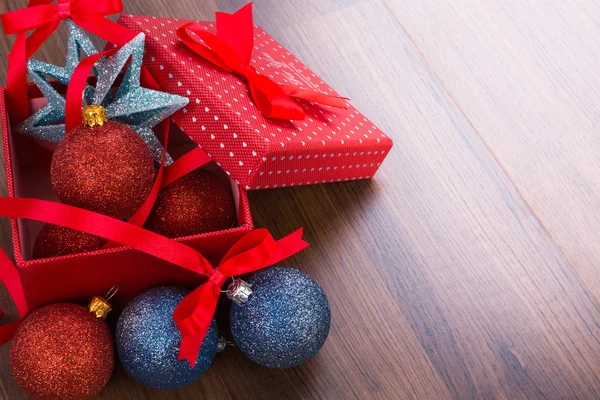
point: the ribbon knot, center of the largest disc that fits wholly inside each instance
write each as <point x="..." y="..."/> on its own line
<point x="245" y="70"/>
<point x="64" y="9"/>
<point x="231" y="50"/>
<point x="217" y="278"/>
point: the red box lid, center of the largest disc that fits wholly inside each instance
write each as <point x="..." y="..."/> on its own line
<point x="330" y="145"/>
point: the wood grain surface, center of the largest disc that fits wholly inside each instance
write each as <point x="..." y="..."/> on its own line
<point x="467" y="267"/>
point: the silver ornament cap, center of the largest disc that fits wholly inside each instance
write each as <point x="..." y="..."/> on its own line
<point x="239" y="291"/>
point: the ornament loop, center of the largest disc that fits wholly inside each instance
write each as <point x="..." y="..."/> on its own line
<point x="112" y="291"/>
<point x="227" y="290"/>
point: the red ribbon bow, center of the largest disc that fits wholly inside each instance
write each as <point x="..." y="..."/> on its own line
<point x="43" y="18"/>
<point x="231" y="49"/>
<point x="254" y="251"/>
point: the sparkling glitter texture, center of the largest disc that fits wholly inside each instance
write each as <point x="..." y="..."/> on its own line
<point x="197" y="203"/>
<point x="62" y="351"/>
<point x="285" y="321"/>
<point x="140" y="108"/>
<point x="106" y="169"/>
<point x="48" y="122"/>
<point x="55" y="240"/>
<point x="148" y="341"/>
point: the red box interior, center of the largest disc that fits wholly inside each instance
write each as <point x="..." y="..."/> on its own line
<point x="87" y="274"/>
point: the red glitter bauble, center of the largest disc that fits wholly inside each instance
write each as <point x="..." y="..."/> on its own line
<point x="55" y="240"/>
<point x="107" y="169"/>
<point x="62" y="351"/>
<point x="197" y="203"/>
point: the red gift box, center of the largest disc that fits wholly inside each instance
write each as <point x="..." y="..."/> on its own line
<point x="329" y="145"/>
<point x="81" y="276"/>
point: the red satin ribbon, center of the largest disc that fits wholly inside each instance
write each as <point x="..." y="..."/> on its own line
<point x="185" y="164"/>
<point x="77" y="84"/>
<point x="43" y="18"/>
<point x="254" y="251"/>
<point x="231" y="49"/>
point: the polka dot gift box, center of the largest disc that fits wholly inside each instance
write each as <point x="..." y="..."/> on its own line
<point x="255" y="108"/>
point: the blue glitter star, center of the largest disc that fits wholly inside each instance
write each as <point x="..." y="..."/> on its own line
<point x="45" y="123"/>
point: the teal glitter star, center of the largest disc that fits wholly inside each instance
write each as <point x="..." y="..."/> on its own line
<point x="45" y="123"/>
<point x="138" y="107"/>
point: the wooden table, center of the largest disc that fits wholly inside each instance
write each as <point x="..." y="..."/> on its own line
<point x="468" y="267"/>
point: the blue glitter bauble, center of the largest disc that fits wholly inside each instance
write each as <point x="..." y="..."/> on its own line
<point x="285" y="321"/>
<point x="148" y="340"/>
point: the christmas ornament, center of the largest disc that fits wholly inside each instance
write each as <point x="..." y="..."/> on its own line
<point x="63" y="351"/>
<point x="46" y="123"/>
<point x="54" y="240"/>
<point x="106" y="168"/>
<point x="139" y="108"/>
<point x="148" y="341"/>
<point x="280" y="318"/>
<point x="199" y="202"/>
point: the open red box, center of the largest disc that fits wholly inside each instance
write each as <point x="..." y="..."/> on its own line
<point x="87" y="274"/>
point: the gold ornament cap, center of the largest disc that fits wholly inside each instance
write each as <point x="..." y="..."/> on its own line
<point x="93" y="115"/>
<point x="100" y="307"/>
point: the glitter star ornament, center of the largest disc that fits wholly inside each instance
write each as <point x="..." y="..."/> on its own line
<point x="48" y="122"/>
<point x="133" y="105"/>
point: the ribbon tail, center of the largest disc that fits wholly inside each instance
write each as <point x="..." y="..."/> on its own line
<point x="16" y="80"/>
<point x="258" y="250"/>
<point x="288" y="246"/>
<point x="105" y="28"/>
<point x="237" y="30"/>
<point x="316" y="97"/>
<point x="9" y="276"/>
<point x="272" y="101"/>
<point x="38" y="37"/>
<point x="193" y="317"/>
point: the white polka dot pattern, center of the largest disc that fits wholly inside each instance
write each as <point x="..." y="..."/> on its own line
<point x="330" y="145"/>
